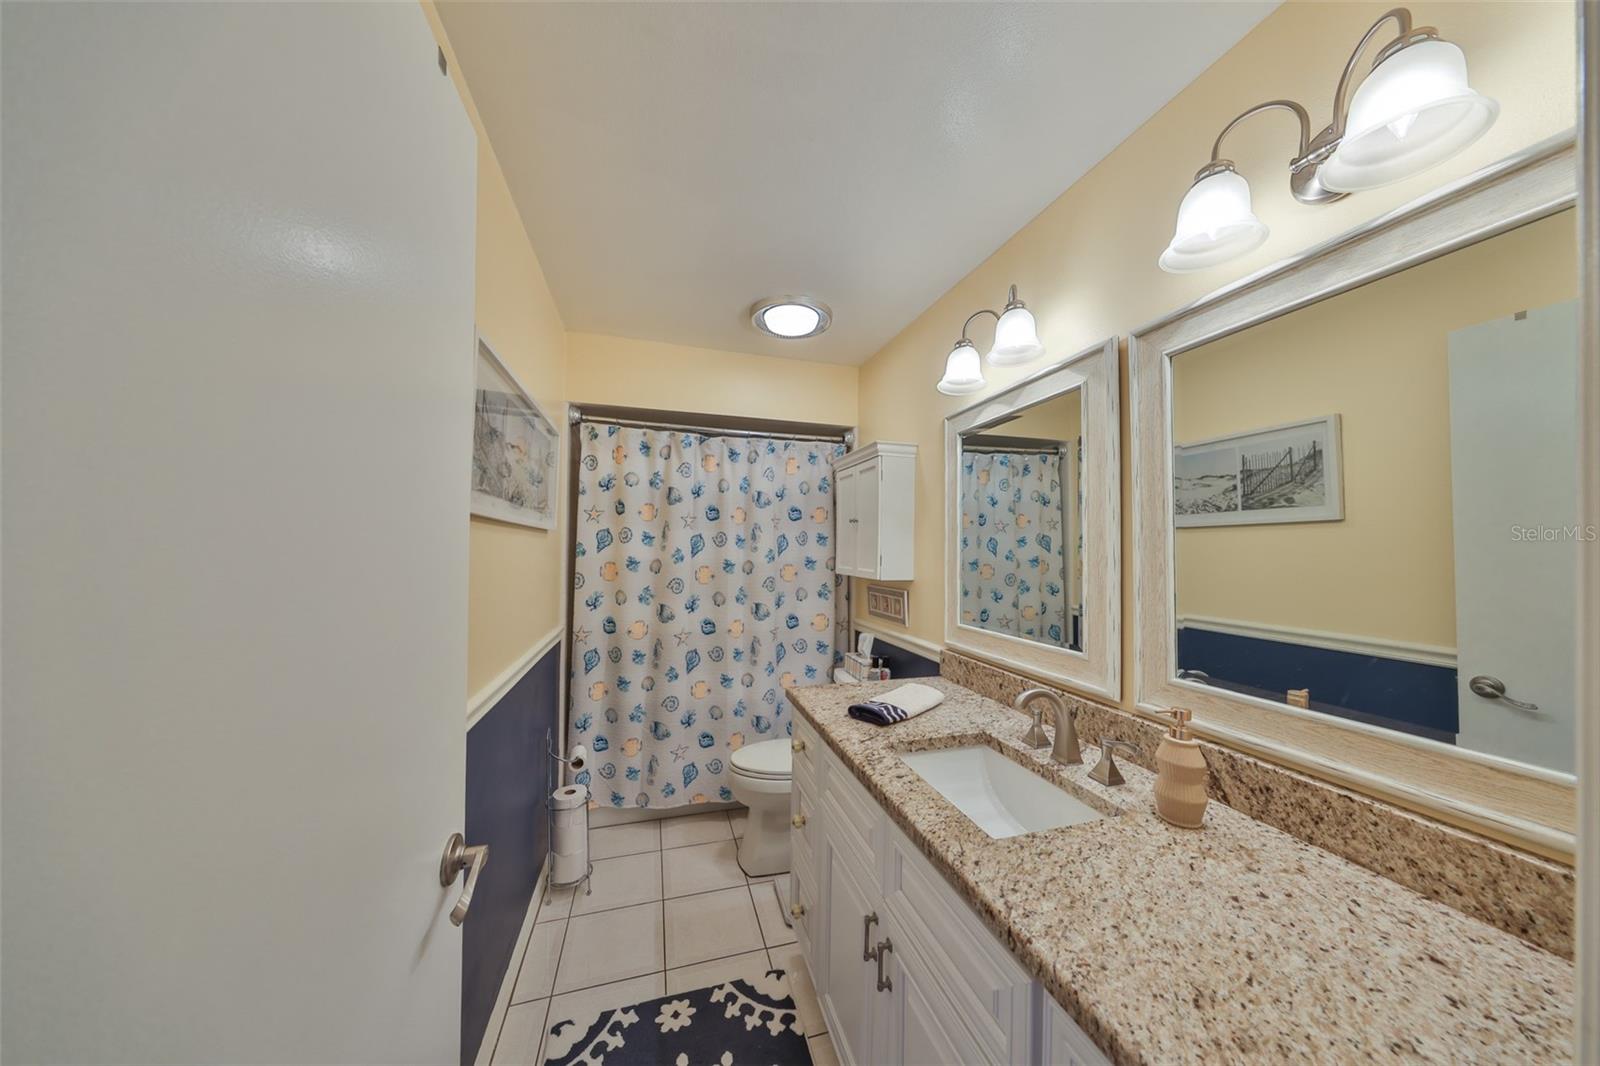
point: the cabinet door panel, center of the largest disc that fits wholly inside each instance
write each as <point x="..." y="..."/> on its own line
<point x="919" y="1026"/>
<point x="845" y="514"/>
<point x="850" y="993"/>
<point x="866" y="527"/>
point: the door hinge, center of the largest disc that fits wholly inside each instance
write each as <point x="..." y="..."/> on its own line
<point x="444" y="64"/>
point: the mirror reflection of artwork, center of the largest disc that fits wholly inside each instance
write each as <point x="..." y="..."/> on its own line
<point x="1021" y="544"/>
<point x="1283" y="474"/>
<point x="514" y="449"/>
<point x="1439" y="603"/>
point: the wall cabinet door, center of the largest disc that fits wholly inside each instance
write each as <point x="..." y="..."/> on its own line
<point x="866" y="528"/>
<point x="845" y="521"/>
<point x="849" y="992"/>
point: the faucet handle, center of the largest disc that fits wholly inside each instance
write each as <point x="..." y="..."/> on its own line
<point x="1105" y="771"/>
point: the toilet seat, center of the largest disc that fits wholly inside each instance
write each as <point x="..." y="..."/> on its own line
<point x="769" y="760"/>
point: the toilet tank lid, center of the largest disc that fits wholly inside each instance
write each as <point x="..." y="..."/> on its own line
<point x="770" y="758"/>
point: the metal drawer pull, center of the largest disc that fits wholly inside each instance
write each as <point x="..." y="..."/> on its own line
<point x="867" y="922"/>
<point x="457" y="855"/>
<point x="798" y="821"/>
<point x="797" y="910"/>
<point x="885" y="984"/>
<point x="797" y="744"/>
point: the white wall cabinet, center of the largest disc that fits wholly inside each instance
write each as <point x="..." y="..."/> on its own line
<point x="875" y="494"/>
<point x="906" y="973"/>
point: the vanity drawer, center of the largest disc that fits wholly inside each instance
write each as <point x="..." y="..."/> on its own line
<point x="803" y="812"/>
<point x="803" y="893"/>
<point x="803" y="745"/>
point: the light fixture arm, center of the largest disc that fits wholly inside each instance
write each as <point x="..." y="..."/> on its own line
<point x="1271" y="105"/>
<point x="1011" y="301"/>
<point x="1341" y="96"/>
<point x="985" y="311"/>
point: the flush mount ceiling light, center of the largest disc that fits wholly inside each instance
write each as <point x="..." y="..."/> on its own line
<point x="791" y="317"/>
<point x="1412" y="110"/>
<point x="1016" y="341"/>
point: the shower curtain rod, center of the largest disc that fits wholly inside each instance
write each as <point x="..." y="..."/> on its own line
<point x="847" y="436"/>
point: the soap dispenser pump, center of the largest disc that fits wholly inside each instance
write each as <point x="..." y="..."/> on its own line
<point x="1181" y="774"/>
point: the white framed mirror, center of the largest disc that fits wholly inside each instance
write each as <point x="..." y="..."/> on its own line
<point x="1033" y="531"/>
<point x="1355" y="495"/>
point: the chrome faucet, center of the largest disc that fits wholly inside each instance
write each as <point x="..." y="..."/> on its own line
<point x="1066" y="749"/>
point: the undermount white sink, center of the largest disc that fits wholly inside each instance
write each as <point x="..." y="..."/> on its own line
<point x="1002" y="798"/>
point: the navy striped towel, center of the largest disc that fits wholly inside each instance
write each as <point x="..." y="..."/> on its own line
<point x="897" y="705"/>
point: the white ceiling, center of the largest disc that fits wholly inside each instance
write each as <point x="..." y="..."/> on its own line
<point x="675" y="162"/>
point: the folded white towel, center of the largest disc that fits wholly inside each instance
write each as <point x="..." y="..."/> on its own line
<point x="913" y="698"/>
<point x="898" y="704"/>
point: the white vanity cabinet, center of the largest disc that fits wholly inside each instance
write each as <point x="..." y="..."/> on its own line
<point x="905" y="971"/>
<point x="875" y="494"/>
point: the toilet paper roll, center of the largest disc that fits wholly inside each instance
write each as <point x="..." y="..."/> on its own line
<point x="572" y="797"/>
<point x="569" y="833"/>
<point x="578" y="758"/>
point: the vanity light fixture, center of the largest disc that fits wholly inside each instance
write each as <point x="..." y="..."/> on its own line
<point x="1016" y="342"/>
<point x="1412" y="110"/>
<point x="790" y="317"/>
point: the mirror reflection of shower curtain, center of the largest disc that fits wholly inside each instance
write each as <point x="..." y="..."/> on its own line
<point x="1013" y="532"/>
<point x="704" y="587"/>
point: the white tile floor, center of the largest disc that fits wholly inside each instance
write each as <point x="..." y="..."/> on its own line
<point x="671" y="911"/>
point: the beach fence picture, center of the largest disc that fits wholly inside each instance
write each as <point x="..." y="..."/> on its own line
<point x="1288" y="473"/>
<point x="514" y="449"/>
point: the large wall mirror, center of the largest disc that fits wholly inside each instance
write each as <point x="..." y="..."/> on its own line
<point x="1366" y="466"/>
<point x="1032" y="491"/>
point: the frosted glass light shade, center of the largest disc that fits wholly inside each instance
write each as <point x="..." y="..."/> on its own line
<point x="1016" y="339"/>
<point x="1414" y="110"/>
<point x="963" y="371"/>
<point x="1215" y="224"/>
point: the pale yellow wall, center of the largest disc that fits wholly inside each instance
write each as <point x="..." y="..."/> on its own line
<point x="515" y="573"/>
<point x="1377" y="357"/>
<point x="673" y="377"/>
<point x="1087" y="264"/>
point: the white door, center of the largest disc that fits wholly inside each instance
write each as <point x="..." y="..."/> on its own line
<point x="846" y="511"/>
<point x="237" y="390"/>
<point x="1514" y="477"/>
<point x="867" y="560"/>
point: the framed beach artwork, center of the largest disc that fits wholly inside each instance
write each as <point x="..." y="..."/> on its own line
<point x="515" y="449"/>
<point x="1288" y="473"/>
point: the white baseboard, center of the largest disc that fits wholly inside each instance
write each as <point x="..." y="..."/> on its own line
<point x="508" y="982"/>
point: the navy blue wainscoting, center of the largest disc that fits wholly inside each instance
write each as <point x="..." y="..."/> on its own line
<point x="1417" y="698"/>
<point x="905" y="663"/>
<point x="508" y="778"/>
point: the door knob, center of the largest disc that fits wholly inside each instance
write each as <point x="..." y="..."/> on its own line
<point x="797" y="744"/>
<point x="456" y="856"/>
<point x="1492" y="688"/>
<point x="797" y="910"/>
<point x="798" y="821"/>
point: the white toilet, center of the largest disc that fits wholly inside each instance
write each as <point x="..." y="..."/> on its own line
<point x="760" y="781"/>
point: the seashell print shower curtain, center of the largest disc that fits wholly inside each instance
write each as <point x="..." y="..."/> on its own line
<point x="703" y="588"/>
<point x="1013" y="533"/>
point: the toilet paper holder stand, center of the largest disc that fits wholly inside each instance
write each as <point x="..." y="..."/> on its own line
<point x="550" y="818"/>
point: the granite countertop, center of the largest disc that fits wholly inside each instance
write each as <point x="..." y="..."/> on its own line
<point x="1232" y="943"/>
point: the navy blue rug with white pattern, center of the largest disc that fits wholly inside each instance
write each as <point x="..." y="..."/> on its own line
<point x="736" y="1023"/>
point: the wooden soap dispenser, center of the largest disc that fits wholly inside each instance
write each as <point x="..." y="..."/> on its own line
<point x="1181" y="774"/>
